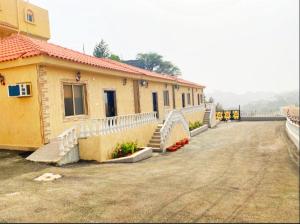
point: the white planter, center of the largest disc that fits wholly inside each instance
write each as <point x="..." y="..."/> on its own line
<point x="199" y="130"/>
<point x="136" y="157"/>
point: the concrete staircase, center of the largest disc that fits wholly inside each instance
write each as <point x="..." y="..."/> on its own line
<point x="50" y="154"/>
<point x="155" y="140"/>
<point x="206" y="117"/>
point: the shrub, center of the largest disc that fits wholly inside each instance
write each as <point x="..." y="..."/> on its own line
<point x="195" y="125"/>
<point x="124" y="149"/>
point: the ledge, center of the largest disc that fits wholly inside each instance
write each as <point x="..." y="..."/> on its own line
<point x="136" y="157"/>
<point x="197" y="131"/>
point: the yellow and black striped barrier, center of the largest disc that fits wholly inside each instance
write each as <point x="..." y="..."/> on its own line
<point x="226" y="115"/>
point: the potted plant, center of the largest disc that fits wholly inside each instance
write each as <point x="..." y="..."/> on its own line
<point x="172" y="148"/>
<point x="186" y="141"/>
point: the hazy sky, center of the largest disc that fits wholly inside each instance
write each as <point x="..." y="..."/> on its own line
<point x="230" y="45"/>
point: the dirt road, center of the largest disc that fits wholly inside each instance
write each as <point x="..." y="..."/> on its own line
<point x="237" y="172"/>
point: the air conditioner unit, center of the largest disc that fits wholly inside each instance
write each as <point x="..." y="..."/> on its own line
<point x="19" y="90"/>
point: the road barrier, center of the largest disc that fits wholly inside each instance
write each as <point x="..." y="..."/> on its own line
<point x="259" y="116"/>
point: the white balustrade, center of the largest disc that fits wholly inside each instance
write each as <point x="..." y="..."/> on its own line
<point x="97" y="127"/>
<point x="292" y="128"/>
<point x="67" y="140"/>
<point x="209" y="106"/>
<point x="109" y="125"/>
<point x="193" y="109"/>
<point x="175" y="116"/>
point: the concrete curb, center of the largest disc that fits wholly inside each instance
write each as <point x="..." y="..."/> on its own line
<point x="199" y="130"/>
<point x="136" y="157"/>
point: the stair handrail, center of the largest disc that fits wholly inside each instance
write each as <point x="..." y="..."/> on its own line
<point x="175" y="116"/>
<point x="208" y="106"/>
<point x="212" y="114"/>
<point x="67" y="140"/>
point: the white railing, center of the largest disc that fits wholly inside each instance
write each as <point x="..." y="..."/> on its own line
<point x="212" y="115"/>
<point x="261" y="114"/>
<point x="109" y="125"/>
<point x="96" y="127"/>
<point x="166" y="112"/>
<point x="193" y="109"/>
<point x="208" y="106"/>
<point x="293" y="117"/>
<point x="173" y="117"/>
<point x="292" y="129"/>
<point x="67" y="140"/>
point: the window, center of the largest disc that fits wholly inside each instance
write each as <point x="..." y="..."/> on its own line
<point x="189" y="99"/>
<point x="110" y="103"/>
<point x="29" y="16"/>
<point x="166" y="98"/>
<point x="74" y="100"/>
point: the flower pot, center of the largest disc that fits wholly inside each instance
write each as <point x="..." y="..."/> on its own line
<point x="173" y="148"/>
<point x="179" y="144"/>
<point x="182" y="142"/>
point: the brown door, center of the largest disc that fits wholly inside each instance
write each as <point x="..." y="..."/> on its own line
<point x="193" y="99"/>
<point x="136" y="96"/>
<point x="155" y="103"/>
<point x="174" y="97"/>
<point x="183" y="100"/>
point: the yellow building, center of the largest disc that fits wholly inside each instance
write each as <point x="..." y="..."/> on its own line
<point x="52" y="97"/>
<point x="18" y="16"/>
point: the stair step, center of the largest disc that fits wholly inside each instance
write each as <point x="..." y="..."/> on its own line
<point x="156" y="137"/>
<point x="154" y="145"/>
<point x="157" y="149"/>
<point x="155" y="141"/>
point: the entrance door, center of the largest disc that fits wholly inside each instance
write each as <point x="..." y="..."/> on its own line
<point x="110" y="103"/>
<point x="155" y="103"/>
<point x="183" y="100"/>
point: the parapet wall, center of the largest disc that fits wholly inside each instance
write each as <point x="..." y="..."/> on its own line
<point x="292" y="130"/>
<point x="100" y="148"/>
<point x="194" y="116"/>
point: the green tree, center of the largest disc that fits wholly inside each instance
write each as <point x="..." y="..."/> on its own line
<point x="149" y="61"/>
<point x="114" y="57"/>
<point x="101" y="50"/>
<point x="167" y="67"/>
<point x="154" y="62"/>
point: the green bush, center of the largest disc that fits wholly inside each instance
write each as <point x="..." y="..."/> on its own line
<point x="124" y="149"/>
<point x="195" y="125"/>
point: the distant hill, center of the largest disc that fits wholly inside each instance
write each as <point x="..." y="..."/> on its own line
<point x="259" y="101"/>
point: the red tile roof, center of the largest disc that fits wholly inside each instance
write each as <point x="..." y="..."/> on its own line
<point x="19" y="46"/>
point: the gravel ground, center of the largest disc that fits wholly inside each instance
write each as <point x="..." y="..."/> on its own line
<point x="237" y="172"/>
